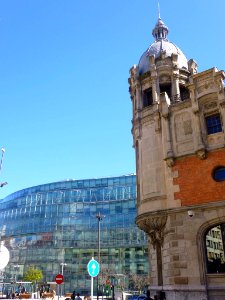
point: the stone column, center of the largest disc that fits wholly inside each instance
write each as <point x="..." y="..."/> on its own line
<point x="176" y="87"/>
<point x="175" y="79"/>
<point x="154" y="90"/>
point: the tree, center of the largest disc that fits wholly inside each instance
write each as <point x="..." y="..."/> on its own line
<point x="139" y="282"/>
<point x="33" y="274"/>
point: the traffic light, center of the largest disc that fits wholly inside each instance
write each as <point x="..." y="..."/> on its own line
<point x="112" y="289"/>
<point x="106" y="289"/>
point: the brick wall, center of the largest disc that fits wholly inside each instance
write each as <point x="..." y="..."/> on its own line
<point x="195" y="179"/>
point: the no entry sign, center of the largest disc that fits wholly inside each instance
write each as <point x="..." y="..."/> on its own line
<point x="59" y="279"/>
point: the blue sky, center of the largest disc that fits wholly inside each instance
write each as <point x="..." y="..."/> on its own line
<point x="64" y="65"/>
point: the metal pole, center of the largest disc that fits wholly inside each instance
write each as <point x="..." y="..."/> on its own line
<point x="91" y="288"/>
<point x="99" y="240"/>
<point x="99" y="217"/>
<point x="61" y="288"/>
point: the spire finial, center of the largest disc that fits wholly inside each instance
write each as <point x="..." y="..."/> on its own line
<point x="161" y="30"/>
<point x="158" y="10"/>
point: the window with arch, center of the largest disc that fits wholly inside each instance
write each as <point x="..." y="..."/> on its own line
<point x="215" y="249"/>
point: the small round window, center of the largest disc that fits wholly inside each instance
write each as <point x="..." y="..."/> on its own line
<point x="219" y="173"/>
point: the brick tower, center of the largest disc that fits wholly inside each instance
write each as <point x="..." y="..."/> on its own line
<point x="178" y="133"/>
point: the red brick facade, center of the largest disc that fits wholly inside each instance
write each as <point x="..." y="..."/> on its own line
<point x="195" y="180"/>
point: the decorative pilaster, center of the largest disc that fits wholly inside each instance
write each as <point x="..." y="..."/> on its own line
<point x="154" y="78"/>
<point x="222" y="112"/>
<point x="221" y="96"/>
<point x="166" y="134"/>
<point x="138" y="96"/>
<point x="137" y="113"/>
<point x="198" y="141"/>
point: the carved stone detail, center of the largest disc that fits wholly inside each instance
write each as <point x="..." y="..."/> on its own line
<point x="154" y="226"/>
<point x="220" y="85"/>
<point x="201" y="153"/>
<point x="210" y="105"/>
<point x="169" y="161"/>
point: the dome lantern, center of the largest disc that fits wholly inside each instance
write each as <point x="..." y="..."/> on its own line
<point x="160" y="31"/>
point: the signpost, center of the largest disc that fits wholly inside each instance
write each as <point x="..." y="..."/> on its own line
<point x="59" y="279"/>
<point x="93" y="270"/>
<point x="4" y="256"/>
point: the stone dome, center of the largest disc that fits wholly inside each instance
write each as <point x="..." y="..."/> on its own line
<point x="161" y="45"/>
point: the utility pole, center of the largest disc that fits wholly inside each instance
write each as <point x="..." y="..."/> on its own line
<point x="99" y="218"/>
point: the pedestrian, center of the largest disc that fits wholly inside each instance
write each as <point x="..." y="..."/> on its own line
<point x="78" y="297"/>
<point x="148" y="295"/>
<point x="73" y="296"/>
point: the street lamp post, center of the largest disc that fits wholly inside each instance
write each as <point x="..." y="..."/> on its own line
<point x="62" y="265"/>
<point x="16" y="268"/>
<point x="99" y="218"/>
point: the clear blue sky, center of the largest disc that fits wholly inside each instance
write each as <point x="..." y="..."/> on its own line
<point x="64" y="65"/>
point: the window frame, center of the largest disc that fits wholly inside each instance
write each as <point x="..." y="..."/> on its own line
<point x="216" y="127"/>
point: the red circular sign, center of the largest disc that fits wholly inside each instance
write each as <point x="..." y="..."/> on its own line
<point x="59" y="278"/>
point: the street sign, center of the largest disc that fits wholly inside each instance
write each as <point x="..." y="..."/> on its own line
<point x="4" y="256"/>
<point x="93" y="268"/>
<point x="59" y="279"/>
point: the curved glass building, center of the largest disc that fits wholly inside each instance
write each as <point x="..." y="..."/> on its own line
<point x="55" y="228"/>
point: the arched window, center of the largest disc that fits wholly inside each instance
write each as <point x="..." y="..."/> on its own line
<point x="215" y="249"/>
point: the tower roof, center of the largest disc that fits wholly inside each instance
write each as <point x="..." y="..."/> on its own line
<point x="161" y="45"/>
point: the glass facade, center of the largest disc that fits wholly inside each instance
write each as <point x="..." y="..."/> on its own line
<point x="56" y="223"/>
